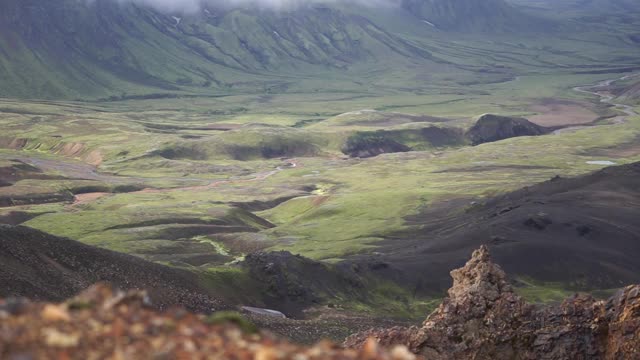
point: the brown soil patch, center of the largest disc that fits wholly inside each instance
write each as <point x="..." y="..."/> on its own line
<point x="12" y="143"/>
<point x="94" y="158"/>
<point x="319" y="200"/>
<point x="69" y="149"/>
<point x="82" y="199"/>
<point x="553" y="112"/>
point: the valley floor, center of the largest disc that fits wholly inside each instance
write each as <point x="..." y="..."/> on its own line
<point x="200" y="191"/>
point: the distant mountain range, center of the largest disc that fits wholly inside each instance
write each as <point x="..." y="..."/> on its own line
<point x="69" y="49"/>
<point x="96" y="49"/>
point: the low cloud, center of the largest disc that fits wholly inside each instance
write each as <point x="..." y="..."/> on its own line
<point x="190" y="6"/>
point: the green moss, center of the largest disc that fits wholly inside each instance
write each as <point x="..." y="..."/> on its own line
<point x="542" y="293"/>
<point x="231" y="317"/>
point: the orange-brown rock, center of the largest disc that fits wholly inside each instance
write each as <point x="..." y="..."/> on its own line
<point x="482" y="318"/>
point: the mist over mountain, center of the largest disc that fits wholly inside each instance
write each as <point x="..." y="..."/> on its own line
<point x="192" y="6"/>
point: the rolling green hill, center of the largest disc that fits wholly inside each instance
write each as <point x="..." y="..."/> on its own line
<point x="104" y="49"/>
<point x="69" y="49"/>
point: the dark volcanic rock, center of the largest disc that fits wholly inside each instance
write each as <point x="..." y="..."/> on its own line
<point x="491" y="128"/>
<point x="482" y="318"/>
<point x="582" y="232"/>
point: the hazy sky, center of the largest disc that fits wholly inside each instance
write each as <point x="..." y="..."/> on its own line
<point x="194" y="5"/>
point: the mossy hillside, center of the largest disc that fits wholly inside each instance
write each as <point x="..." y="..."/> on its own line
<point x="139" y="223"/>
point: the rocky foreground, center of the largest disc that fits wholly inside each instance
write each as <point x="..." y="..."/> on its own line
<point x="482" y="318"/>
<point x="105" y="324"/>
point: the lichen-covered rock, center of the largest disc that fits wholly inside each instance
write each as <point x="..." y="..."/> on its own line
<point x="482" y="318"/>
<point x="622" y="319"/>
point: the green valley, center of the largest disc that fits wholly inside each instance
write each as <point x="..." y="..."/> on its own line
<point x="335" y="131"/>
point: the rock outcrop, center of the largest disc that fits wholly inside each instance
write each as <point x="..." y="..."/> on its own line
<point x="482" y="318"/>
<point x="491" y="128"/>
<point x="105" y="324"/>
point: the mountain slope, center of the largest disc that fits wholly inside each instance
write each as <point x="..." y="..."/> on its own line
<point x="630" y="94"/>
<point x="475" y="16"/>
<point x="67" y="49"/>
<point x="42" y="266"/>
<point x="588" y="5"/>
<point x="580" y="232"/>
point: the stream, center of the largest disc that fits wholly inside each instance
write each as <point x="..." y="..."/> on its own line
<point x="606" y="97"/>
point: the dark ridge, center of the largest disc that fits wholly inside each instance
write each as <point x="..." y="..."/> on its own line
<point x="582" y="232"/>
<point x="42" y="266"/>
